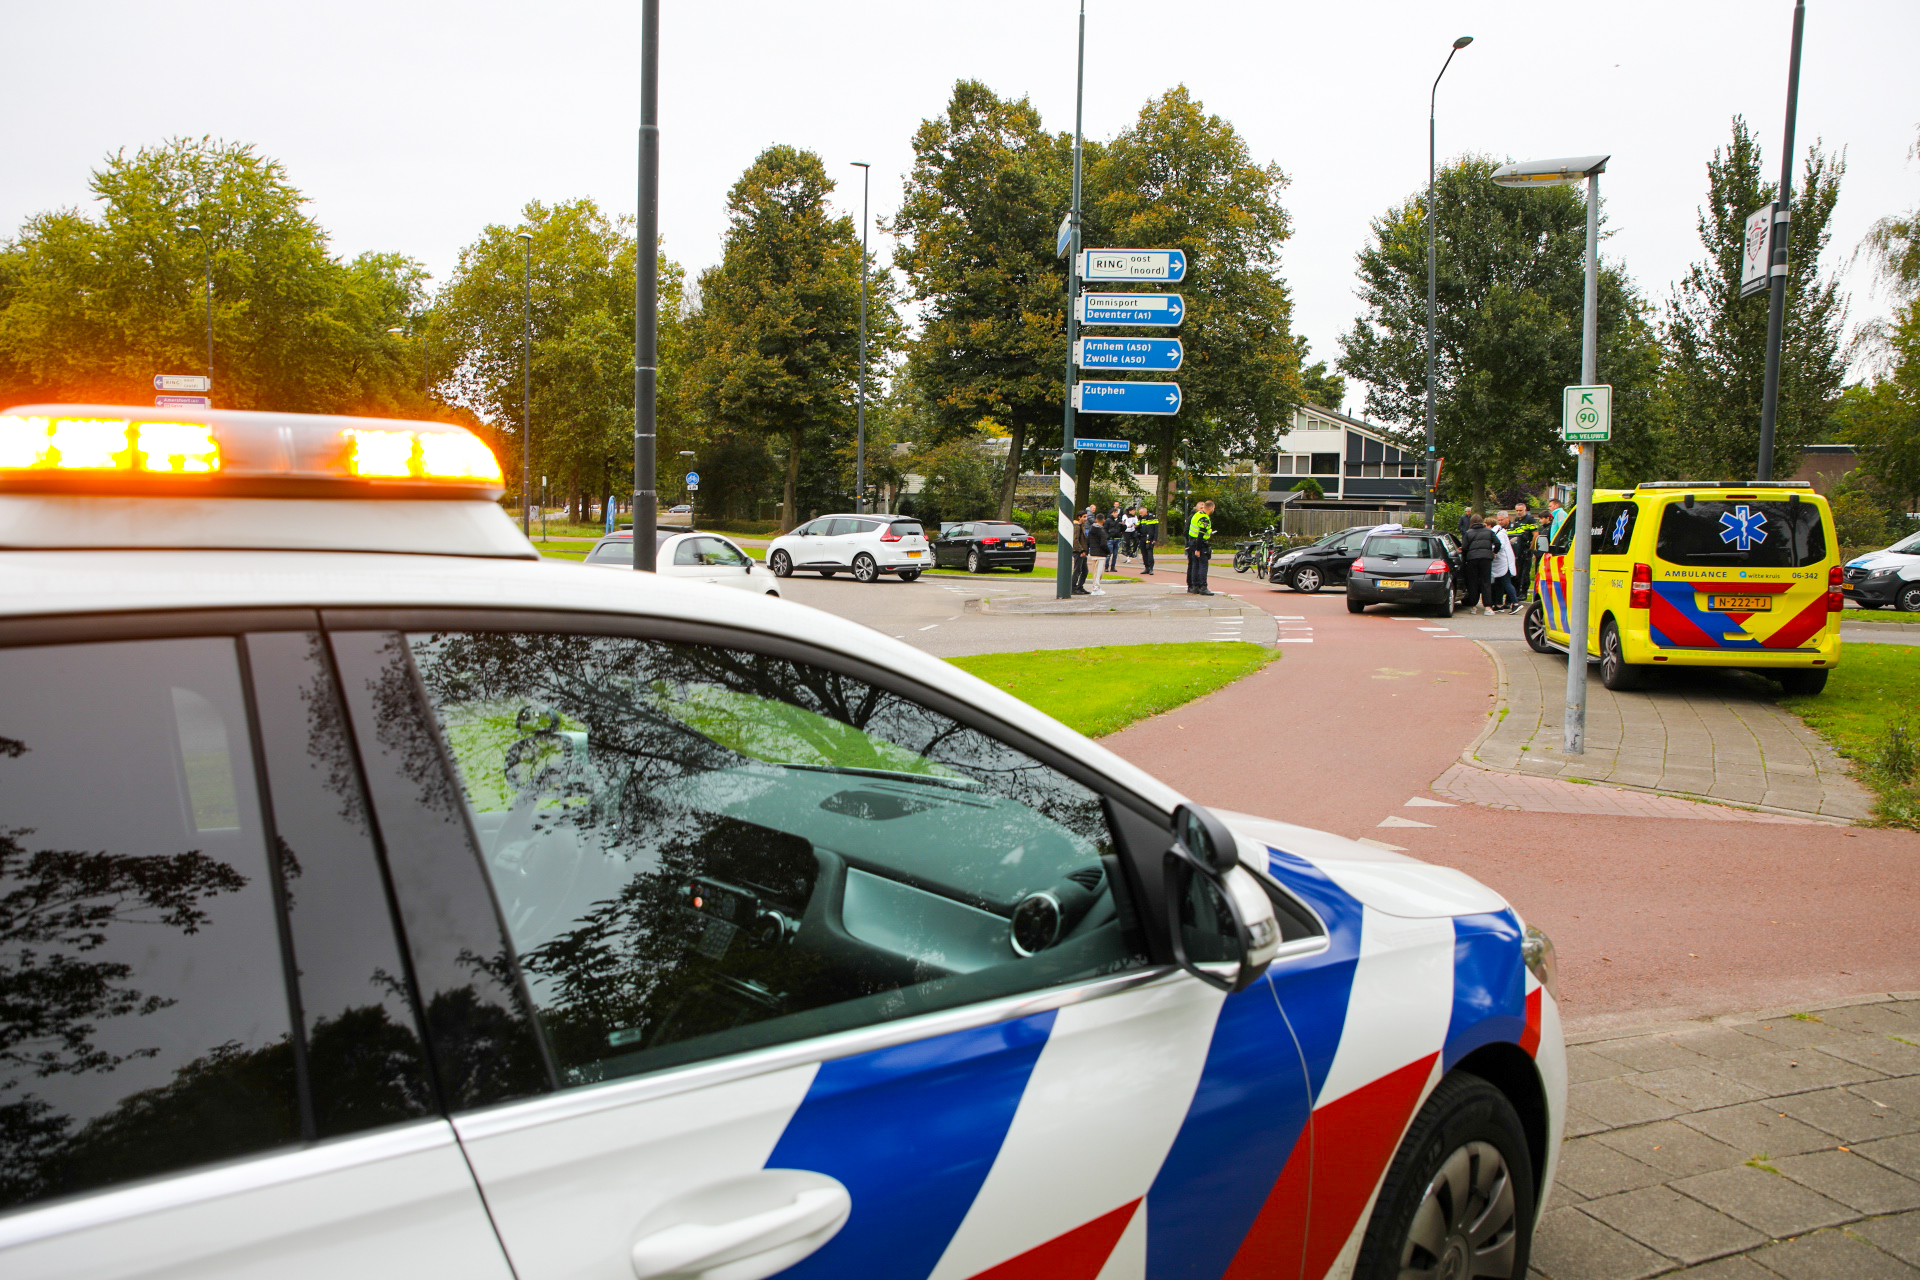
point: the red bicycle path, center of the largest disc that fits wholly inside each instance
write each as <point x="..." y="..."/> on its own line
<point x="1652" y="918"/>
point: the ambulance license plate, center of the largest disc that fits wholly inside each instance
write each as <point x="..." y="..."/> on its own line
<point x="1395" y="582"/>
<point x="1740" y="604"/>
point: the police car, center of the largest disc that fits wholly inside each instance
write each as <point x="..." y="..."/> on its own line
<point x="380" y="900"/>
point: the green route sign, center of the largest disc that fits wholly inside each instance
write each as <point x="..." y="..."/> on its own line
<point x="1586" y="414"/>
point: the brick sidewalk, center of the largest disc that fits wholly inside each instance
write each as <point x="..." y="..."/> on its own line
<point x="1743" y="1148"/>
<point x="1698" y="732"/>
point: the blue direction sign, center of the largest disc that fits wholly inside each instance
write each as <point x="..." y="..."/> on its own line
<point x="1127" y="397"/>
<point x="1150" y="309"/>
<point x="1087" y="445"/>
<point x="1159" y="354"/>
<point x="182" y="402"/>
<point x="1169" y="266"/>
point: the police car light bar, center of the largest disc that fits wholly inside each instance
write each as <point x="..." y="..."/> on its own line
<point x="112" y="449"/>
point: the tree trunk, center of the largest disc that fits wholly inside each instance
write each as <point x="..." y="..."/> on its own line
<point x="788" y="516"/>
<point x="1480" y="491"/>
<point x="1163" y="477"/>
<point x="1010" y="484"/>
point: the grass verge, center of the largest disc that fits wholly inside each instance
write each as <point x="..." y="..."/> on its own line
<point x="1870" y="713"/>
<point x="1103" y="690"/>
<point x="1879" y="615"/>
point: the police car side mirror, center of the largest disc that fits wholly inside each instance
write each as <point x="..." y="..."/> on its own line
<point x="1220" y="920"/>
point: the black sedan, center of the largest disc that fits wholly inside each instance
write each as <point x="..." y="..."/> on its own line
<point x="980" y="545"/>
<point x="1407" y="567"/>
<point x="1322" y="564"/>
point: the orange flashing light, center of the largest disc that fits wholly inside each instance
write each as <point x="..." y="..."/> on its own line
<point x="106" y="444"/>
<point x="424" y="455"/>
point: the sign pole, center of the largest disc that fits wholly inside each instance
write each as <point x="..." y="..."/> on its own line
<point x="1782" y="228"/>
<point x="1063" y="570"/>
<point x="1574" y="731"/>
<point x="646" y="298"/>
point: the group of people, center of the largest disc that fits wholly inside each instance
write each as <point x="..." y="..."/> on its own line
<point x="1497" y="549"/>
<point x="1104" y="540"/>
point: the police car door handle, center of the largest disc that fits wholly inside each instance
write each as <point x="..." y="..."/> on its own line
<point x="743" y="1229"/>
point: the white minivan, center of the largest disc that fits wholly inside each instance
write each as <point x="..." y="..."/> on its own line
<point x="866" y="546"/>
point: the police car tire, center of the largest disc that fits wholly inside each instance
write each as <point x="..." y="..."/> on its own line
<point x="1464" y="1110"/>
<point x="1909" y="599"/>
<point x="781" y="564"/>
<point x="1534" y="627"/>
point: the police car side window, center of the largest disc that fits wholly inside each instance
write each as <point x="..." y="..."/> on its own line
<point x="147" y="1027"/>
<point x="701" y="850"/>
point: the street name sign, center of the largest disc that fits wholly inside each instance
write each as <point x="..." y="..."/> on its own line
<point x="1127" y="397"/>
<point x="1756" y="251"/>
<point x="1087" y="445"/>
<point x="1169" y="266"/>
<point x="1158" y="354"/>
<point x="1153" y="310"/>
<point x="1586" y="414"/>
<point x="182" y="402"/>
<point x="182" y="382"/>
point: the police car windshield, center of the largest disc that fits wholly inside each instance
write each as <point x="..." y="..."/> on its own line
<point x="1743" y="532"/>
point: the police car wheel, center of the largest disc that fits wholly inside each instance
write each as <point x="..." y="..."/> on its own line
<point x="1615" y="671"/>
<point x="1305" y="580"/>
<point x="1534" y="625"/>
<point x="1458" y="1200"/>
<point x="865" y="568"/>
<point x="1909" y="598"/>
<point x="781" y="564"/>
<point x="1803" y="683"/>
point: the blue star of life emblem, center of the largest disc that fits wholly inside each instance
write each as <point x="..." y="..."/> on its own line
<point x="1620" y="529"/>
<point x="1743" y="528"/>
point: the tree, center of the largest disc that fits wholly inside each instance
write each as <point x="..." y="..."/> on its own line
<point x="1317" y="386"/>
<point x="1180" y="178"/>
<point x="1882" y="420"/>
<point x="92" y="308"/>
<point x="977" y="226"/>
<point x="1717" y="342"/>
<point x="582" y="313"/>
<point x="1510" y="294"/>
<point x="778" y="329"/>
<point x="1894" y="242"/>
<point x="961" y="481"/>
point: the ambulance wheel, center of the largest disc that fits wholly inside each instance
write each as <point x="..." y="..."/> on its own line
<point x="1535" y="627"/>
<point x="1458" y="1199"/>
<point x="1802" y="683"/>
<point x="1615" y="671"/>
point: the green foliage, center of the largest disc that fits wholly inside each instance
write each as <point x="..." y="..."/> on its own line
<point x="91" y="308"/>
<point x="1446" y="516"/>
<point x="1238" y="508"/>
<point x="1103" y="690"/>
<point x="962" y="483"/>
<point x="1882" y="421"/>
<point x="1317" y="386"/>
<point x="1868" y="702"/>
<point x="1894" y="242"/>
<point x="1860" y="518"/>
<point x="1717" y="341"/>
<point x="778" y="333"/>
<point x="1511" y="291"/>
<point x="1182" y="178"/>
<point x="1310" y="487"/>
<point x="582" y="282"/>
<point x="977" y="247"/>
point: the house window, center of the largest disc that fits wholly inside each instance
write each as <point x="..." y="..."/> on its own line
<point x="1326" y="464"/>
<point x="1410" y="471"/>
<point x="1370" y="470"/>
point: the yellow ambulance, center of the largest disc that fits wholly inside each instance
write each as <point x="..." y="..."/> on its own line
<point x="1690" y="573"/>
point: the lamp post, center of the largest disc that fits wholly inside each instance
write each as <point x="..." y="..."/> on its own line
<point x="1565" y="173"/>
<point x="860" y="430"/>
<point x="526" y="389"/>
<point x="1777" y="263"/>
<point x="1433" y="481"/>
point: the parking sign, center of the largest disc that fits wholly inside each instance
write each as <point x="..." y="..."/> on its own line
<point x="1586" y="414"/>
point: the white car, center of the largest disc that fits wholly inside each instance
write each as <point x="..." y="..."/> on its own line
<point x="459" y="913"/>
<point x="865" y="546"/>
<point x="688" y="553"/>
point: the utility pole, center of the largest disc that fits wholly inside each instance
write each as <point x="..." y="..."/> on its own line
<point x="1063" y="570"/>
<point x="526" y="391"/>
<point x="1782" y="232"/>
<point x="860" y="430"/>
<point x="646" y="301"/>
<point x="1433" y="97"/>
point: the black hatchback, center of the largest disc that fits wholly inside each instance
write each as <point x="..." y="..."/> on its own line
<point x="980" y="545"/>
<point x="1322" y="564"/>
<point x="1408" y="566"/>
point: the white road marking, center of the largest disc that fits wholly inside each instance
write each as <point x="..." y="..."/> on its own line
<point x="1434" y="628"/>
<point x="930" y="626"/>
<point x="1380" y="844"/>
<point x="1451" y="635"/>
<point x="1395" y="820"/>
<point x="1294" y="640"/>
<point x="1422" y="802"/>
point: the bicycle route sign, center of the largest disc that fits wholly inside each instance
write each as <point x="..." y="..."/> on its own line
<point x="1586" y="414"/>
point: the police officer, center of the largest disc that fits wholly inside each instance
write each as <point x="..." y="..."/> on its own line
<point x="1199" y="548"/>
<point x="1148" y="534"/>
<point x="1525" y="527"/>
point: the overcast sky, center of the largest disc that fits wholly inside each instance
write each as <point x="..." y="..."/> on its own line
<point x="410" y="124"/>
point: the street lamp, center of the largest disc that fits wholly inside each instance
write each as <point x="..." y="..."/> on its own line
<point x="1432" y="270"/>
<point x="860" y="431"/>
<point x="1565" y="173"/>
<point x="526" y="389"/>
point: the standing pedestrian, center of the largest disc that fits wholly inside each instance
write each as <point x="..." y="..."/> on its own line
<point x="1506" y="595"/>
<point x="1130" y="532"/>
<point x="1115" y="530"/>
<point x="1557" y="515"/>
<point x="1524" y="529"/>
<point x="1080" y="554"/>
<point x="1466" y="522"/>
<point x="1477" y="550"/>
<point x="1199" y="548"/>
<point x="1099" y="552"/>
<point x="1148" y="535"/>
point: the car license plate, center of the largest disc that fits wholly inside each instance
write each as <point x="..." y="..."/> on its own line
<point x="914" y="555"/>
<point x="1740" y="604"/>
<point x="1395" y="582"/>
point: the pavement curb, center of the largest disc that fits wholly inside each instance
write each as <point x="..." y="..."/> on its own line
<point x="1600" y="1035"/>
<point x="1470" y="761"/>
